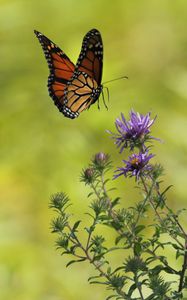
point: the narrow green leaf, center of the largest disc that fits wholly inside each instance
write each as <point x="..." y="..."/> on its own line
<point x="178" y="254"/>
<point x="166" y="189"/>
<point x="137" y="249"/>
<point x="90" y="194"/>
<point x="99" y="282"/>
<point x="139" y="228"/>
<point x="110" y="297"/>
<point x="115" y="201"/>
<point x="93" y="277"/>
<point x="156" y="270"/>
<point x="75" y="261"/>
<point x="75" y="226"/>
<point x="132" y="289"/>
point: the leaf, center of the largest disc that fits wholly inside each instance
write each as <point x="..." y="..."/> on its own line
<point x="170" y="271"/>
<point x="132" y="289"/>
<point x="156" y="270"/>
<point x="151" y="297"/>
<point x="71" y="262"/>
<point x="106" y="180"/>
<point x="150" y="260"/>
<point x="166" y="189"/>
<point x="99" y="282"/>
<point x="90" y="194"/>
<point x="76" y="225"/>
<point x="93" y="277"/>
<point x="118" y="239"/>
<point x="178" y="254"/>
<point x="114" y="248"/>
<point x="118" y="269"/>
<point x="75" y="261"/>
<point x="139" y="228"/>
<point x="137" y="249"/>
<point x="115" y="201"/>
<point x="110" y="297"/>
<point x="177" y="247"/>
<point x="90" y="215"/>
<point x="111" y="189"/>
<point x="65" y="252"/>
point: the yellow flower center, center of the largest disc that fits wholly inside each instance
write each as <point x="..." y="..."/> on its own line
<point x="135" y="161"/>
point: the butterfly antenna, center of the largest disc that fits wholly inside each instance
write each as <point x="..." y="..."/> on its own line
<point x="123" y="77"/>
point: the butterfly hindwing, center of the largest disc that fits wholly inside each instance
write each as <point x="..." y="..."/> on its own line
<point x="81" y="92"/>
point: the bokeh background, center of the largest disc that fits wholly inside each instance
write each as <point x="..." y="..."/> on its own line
<point x="42" y="152"/>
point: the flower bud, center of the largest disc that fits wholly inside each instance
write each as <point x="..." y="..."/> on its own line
<point x="87" y="175"/>
<point x="100" y="158"/>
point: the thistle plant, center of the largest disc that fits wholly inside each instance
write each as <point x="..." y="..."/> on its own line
<point x="147" y="234"/>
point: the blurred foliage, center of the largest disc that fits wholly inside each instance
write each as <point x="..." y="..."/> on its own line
<point x="43" y="152"/>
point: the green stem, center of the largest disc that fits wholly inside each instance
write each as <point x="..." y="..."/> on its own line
<point x="144" y="203"/>
<point x="138" y="286"/>
<point x="174" y="217"/>
<point x="95" y="264"/>
<point x="184" y="268"/>
<point x="164" y="263"/>
<point x="155" y="210"/>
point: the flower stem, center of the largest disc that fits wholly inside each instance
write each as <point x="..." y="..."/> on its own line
<point x="174" y="217"/>
<point x="138" y="286"/>
<point x="184" y="268"/>
<point x="96" y="264"/>
<point x="155" y="209"/>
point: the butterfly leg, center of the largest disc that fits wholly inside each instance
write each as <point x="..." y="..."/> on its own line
<point x="98" y="106"/>
<point x="104" y="98"/>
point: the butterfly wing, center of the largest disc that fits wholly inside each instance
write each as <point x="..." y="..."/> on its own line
<point x="61" y="69"/>
<point x="90" y="59"/>
<point x="85" y="87"/>
<point x="80" y="93"/>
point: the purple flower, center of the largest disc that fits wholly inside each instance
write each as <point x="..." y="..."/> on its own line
<point x="134" y="132"/>
<point x="136" y="165"/>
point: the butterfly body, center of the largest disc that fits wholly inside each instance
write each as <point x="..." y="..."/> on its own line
<point x="74" y="88"/>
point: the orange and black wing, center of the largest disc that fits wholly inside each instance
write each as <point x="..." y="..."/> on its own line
<point x="90" y="59"/>
<point x="61" y="69"/>
<point x="81" y="92"/>
<point x="85" y="86"/>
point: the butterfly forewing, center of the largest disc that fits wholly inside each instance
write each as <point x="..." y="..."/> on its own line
<point x="60" y="66"/>
<point x="90" y="59"/>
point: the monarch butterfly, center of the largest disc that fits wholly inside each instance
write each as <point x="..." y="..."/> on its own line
<point x="74" y="88"/>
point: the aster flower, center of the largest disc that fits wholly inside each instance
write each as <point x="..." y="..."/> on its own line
<point x="133" y="133"/>
<point x="136" y="165"/>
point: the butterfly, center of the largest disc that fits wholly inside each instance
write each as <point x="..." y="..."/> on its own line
<point x="74" y="88"/>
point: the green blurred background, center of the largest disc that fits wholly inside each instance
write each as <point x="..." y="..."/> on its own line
<point x="42" y="152"/>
